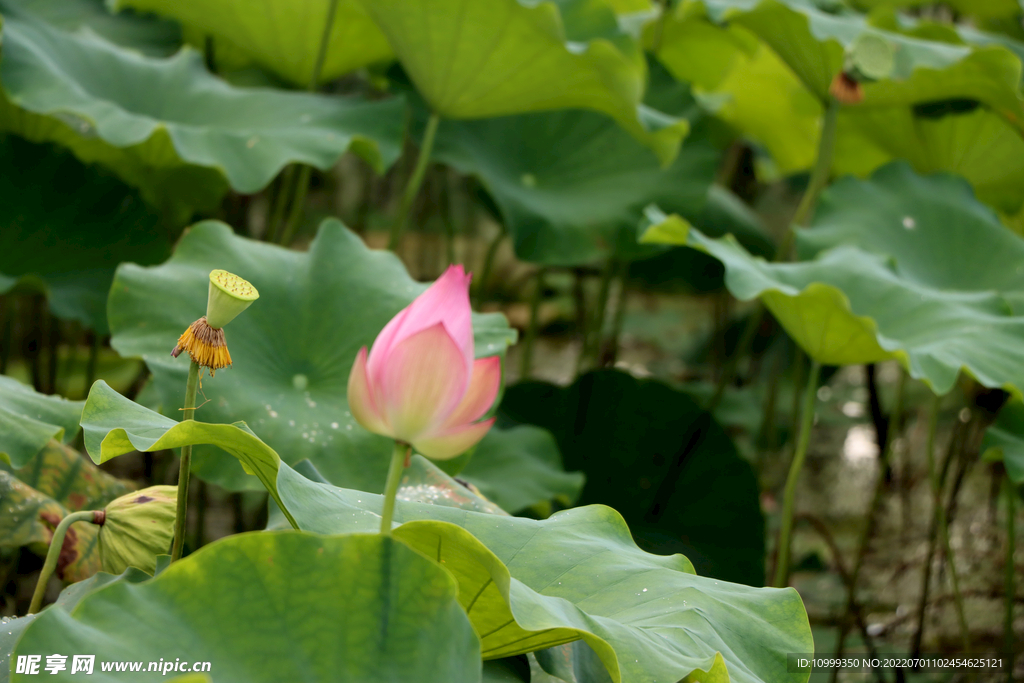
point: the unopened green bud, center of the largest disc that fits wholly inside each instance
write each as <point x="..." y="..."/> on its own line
<point x="136" y="528"/>
<point x="229" y="296"/>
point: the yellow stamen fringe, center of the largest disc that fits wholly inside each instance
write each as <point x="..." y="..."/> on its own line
<point x="205" y="345"/>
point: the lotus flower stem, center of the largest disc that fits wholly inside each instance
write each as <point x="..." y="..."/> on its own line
<point x="1009" y="642"/>
<point x="184" y="465"/>
<point x="876" y="500"/>
<point x="298" y="201"/>
<point x="485" y="272"/>
<point x="53" y="554"/>
<point x="789" y="497"/>
<point x="526" y="359"/>
<point x="399" y="461"/>
<point x="301" y="187"/>
<point x="415" y="180"/>
<point x="940" y="514"/>
<point x="819" y="178"/>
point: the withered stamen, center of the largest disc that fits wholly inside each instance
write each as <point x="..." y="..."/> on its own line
<point x="205" y="345"/>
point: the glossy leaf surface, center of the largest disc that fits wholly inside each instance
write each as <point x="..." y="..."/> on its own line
<point x="263" y="606"/>
<point x="892" y="271"/>
<point x="529" y="584"/>
<point x="474" y="60"/>
<point x="280" y="36"/>
<point x="28" y="420"/>
<point x="168" y="126"/>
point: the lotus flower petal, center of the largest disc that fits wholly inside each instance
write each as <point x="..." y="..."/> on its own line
<point x="361" y="400"/>
<point x="454" y="442"/>
<point x="446" y="301"/>
<point x="423" y="381"/>
<point x="483" y="389"/>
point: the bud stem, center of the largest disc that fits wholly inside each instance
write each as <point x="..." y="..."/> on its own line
<point x="53" y="554"/>
<point x="399" y="461"/>
<point x="185" y="464"/>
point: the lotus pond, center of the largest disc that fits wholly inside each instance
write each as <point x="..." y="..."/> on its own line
<point x="561" y="341"/>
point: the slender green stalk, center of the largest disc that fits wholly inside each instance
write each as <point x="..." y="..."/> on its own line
<point x="526" y="360"/>
<point x="1009" y="642"/>
<point x="53" y="554"/>
<point x="305" y="172"/>
<point x="280" y="203"/>
<point x="298" y="204"/>
<point x="789" y="497"/>
<point x="412" y="188"/>
<point x="620" y="315"/>
<point x="818" y="180"/>
<point x="185" y="465"/>
<point x="592" y="336"/>
<point x="869" y="524"/>
<point x="399" y="461"/>
<point x="485" y="272"/>
<point x="940" y="514"/>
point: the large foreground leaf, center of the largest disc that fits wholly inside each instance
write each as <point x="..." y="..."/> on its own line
<point x="279" y="36"/>
<point x="277" y="607"/>
<point x="168" y="126"/>
<point x="529" y="584"/>
<point x="475" y="60"/>
<point x="571" y="184"/>
<point x="28" y="420"/>
<point x="895" y="272"/>
<point x="651" y="453"/>
<point x="11" y="629"/>
<point x="292" y="350"/>
<point x="64" y="228"/>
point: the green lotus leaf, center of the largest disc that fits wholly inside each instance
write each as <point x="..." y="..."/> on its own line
<point x="292" y="349"/>
<point x="33" y="500"/>
<point x="67" y="601"/>
<point x="571" y="183"/>
<point x="28" y="518"/>
<point x="763" y="99"/>
<point x="277" y="37"/>
<point x="274" y="606"/>
<point x="168" y="126"/>
<point x="67" y="476"/>
<point x="976" y="144"/>
<point x="636" y="441"/>
<point x="812" y="42"/>
<point x="774" y="58"/>
<point x="424" y="482"/>
<point x="518" y="56"/>
<point x="114" y="425"/>
<point x="1004" y="440"/>
<point x="28" y="420"/>
<point x="520" y="467"/>
<point x="146" y="34"/>
<point x="982" y="9"/>
<point x="529" y="584"/>
<point x="893" y="271"/>
<point x="60" y="214"/>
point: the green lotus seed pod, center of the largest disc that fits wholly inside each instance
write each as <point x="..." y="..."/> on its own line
<point x="870" y="58"/>
<point x="229" y="296"/>
<point x="137" y="528"/>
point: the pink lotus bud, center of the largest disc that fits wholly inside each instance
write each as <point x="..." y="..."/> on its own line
<point x="420" y="383"/>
